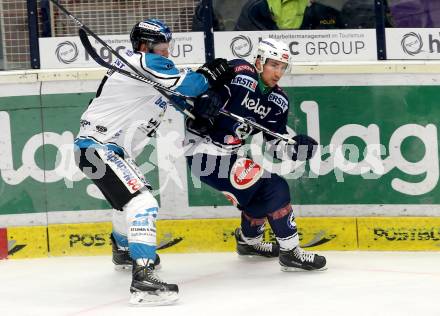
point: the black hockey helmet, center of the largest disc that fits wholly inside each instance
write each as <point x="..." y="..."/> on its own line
<point x="150" y="31"/>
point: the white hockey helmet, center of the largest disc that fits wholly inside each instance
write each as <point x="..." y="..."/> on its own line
<point x="270" y="48"/>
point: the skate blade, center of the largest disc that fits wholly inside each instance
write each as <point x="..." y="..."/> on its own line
<point x="293" y="269"/>
<point x="129" y="267"/>
<point x="153" y="298"/>
<point x="255" y="257"/>
<point x="123" y="267"/>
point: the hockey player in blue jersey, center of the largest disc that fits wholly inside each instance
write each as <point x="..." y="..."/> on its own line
<point x="213" y="156"/>
<point x="113" y="128"/>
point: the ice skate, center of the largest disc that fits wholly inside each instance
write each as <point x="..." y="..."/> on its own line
<point x="261" y="249"/>
<point x="298" y="259"/>
<point x="147" y="289"/>
<point x="121" y="257"/>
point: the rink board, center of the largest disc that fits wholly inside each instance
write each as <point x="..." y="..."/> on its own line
<point x="44" y="199"/>
<point x="40" y="111"/>
<point x="217" y="235"/>
<point x="24" y="242"/>
<point x="198" y="235"/>
<point x="411" y="233"/>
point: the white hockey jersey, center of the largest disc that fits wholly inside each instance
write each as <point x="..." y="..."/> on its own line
<point x="125" y="111"/>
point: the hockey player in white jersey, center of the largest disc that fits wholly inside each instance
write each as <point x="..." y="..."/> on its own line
<point x="122" y="115"/>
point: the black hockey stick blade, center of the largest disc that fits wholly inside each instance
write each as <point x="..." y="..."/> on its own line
<point x="91" y="50"/>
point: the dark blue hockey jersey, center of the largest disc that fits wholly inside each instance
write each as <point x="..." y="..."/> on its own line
<point x="244" y="97"/>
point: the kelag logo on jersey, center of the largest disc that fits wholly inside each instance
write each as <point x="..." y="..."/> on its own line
<point x="279" y="100"/>
<point x="245" y="81"/>
<point x="255" y="106"/>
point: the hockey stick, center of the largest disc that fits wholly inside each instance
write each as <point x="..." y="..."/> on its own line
<point x="84" y="30"/>
<point x="91" y="51"/>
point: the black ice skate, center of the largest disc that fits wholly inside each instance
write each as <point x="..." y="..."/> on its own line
<point x="121" y="257"/>
<point x="262" y="249"/>
<point x="147" y="289"/>
<point x="298" y="259"/>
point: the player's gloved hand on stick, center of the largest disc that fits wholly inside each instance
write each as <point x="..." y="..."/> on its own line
<point x="303" y="149"/>
<point x="207" y="105"/>
<point x="218" y="72"/>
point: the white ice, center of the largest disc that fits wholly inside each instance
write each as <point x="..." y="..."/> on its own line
<point x="356" y="283"/>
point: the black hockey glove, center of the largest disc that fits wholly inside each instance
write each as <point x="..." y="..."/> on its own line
<point x="207" y="105"/>
<point x="218" y="72"/>
<point x="303" y="149"/>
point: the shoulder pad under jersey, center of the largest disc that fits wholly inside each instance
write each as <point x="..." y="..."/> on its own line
<point x="159" y="64"/>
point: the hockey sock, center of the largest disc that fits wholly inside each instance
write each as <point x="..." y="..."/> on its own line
<point x="121" y="240"/>
<point x="141" y="221"/>
<point x="283" y="225"/>
<point x="252" y="229"/>
<point x="142" y="235"/>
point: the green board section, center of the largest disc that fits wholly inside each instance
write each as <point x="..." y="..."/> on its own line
<point x="403" y="119"/>
<point x="33" y="129"/>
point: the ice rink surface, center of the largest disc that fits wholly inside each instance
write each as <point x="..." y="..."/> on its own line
<point x="356" y="283"/>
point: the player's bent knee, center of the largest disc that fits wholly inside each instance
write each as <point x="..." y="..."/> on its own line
<point x="272" y="195"/>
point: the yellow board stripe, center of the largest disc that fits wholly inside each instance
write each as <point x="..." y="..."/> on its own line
<point x="217" y="235"/>
<point x="27" y="242"/>
<point x="404" y="233"/>
<point x="79" y="239"/>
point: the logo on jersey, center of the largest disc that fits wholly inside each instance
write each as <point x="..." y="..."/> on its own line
<point x="279" y="100"/>
<point x="150" y="128"/>
<point x="245" y="173"/>
<point x="244" y="67"/>
<point x="161" y="103"/>
<point x="126" y="174"/>
<point x="84" y="123"/>
<point x="258" y="108"/>
<point x="291" y="221"/>
<point x="101" y="129"/>
<point x="231" y="198"/>
<point x="245" y="81"/>
<point x="243" y="130"/>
